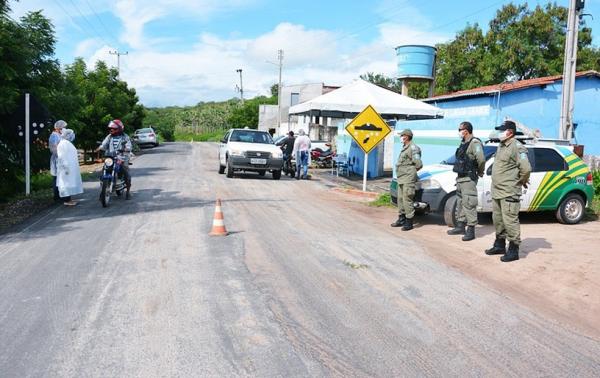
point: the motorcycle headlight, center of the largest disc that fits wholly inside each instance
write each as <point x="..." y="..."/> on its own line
<point x="430" y="184"/>
<point x="108" y="162"/>
<point x="278" y="154"/>
<point x="235" y="152"/>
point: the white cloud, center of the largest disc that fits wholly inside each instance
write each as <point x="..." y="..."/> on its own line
<point x="135" y="14"/>
<point x="87" y="47"/>
<point x="300" y="46"/>
<point x="207" y="70"/>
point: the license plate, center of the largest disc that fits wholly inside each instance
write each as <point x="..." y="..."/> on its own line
<point x="258" y="161"/>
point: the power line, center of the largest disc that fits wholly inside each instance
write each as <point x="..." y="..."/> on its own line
<point x="73" y="19"/>
<point x="88" y="22"/>
<point x="101" y="22"/>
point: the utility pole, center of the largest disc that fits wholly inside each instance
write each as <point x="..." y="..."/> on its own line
<point x="118" y="54"/>
<point x="280" y="57"/>
<point x="569" y="70"/>
<point x="241" y="86"/>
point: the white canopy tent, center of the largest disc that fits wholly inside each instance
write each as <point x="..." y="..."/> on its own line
<point x="351" y="99"/>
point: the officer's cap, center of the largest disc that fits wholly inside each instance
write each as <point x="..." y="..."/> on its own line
<point x="406" y="132"/>
<point x="507" y="125"/>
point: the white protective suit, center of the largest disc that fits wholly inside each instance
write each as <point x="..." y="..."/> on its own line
<point x="68" y="178"/>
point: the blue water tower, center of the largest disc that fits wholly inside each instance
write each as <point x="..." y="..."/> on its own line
<point x="416" y="63"/>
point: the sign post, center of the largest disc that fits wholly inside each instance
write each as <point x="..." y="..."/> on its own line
<point x="27" y="148"/>
<point x="368" y="129"/>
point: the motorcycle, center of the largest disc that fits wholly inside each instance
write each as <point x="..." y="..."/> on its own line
<point x="112" y="179"/>
<point x="289" y="165"/>
<point x="323" y="159"/>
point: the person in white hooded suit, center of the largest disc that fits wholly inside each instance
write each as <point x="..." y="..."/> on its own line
<point x="68" y="178"/>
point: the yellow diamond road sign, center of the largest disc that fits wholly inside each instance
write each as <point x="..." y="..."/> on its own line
<point x="368" y="129"/>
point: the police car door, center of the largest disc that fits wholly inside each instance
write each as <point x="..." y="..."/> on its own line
<point x="527" y="194"/>
<point x="545" y="162"/>
<point x="484" y="188"/>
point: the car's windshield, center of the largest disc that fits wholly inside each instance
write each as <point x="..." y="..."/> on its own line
<point x="248" y="136"/>
<point x="488" y="152"/>
<point x="279" y="140"/>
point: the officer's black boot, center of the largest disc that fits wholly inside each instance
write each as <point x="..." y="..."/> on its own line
<point x="512" y="254"/>
<point x="400" y="221"/>
<point x="408" y="224"/>
<point x="499" y="247"/>
<point x="469" y="233"/>
<point x="459" y="229"/>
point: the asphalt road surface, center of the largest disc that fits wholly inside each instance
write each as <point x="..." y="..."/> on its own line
<point x="303" y="286"/>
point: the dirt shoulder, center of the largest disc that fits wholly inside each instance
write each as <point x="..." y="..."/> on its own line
<point x="558" y="274"/>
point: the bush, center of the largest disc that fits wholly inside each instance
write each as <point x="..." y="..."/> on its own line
<point x="596" y="177"/>
<point x="215" y="136"/>
<point x="384" y="199"/>
<point x="39" y="182"/>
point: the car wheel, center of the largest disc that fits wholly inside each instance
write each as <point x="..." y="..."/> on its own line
<point x="277" y="174"/>
<point x="221" y="169"/>
<point x="450" y="211"/>
<point x="229" y="169"/>
<point x="571" y="210"/>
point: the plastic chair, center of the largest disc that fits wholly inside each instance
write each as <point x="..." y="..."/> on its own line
<point x="341" y="163"/>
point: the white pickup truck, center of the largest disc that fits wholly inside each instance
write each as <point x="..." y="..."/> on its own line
<point x="251" y="151"/>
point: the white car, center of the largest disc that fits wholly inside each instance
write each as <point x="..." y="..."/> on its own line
<point x="145" y="136"/>
<point x="251" y="151"/>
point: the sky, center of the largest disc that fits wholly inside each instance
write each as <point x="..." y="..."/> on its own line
<point x="181" y="52"/>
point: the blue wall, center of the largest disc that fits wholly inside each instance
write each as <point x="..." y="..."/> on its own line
<point x="539" y="108"/>
<point x="438" y="138"/>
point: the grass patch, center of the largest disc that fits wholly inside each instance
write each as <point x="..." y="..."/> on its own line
<point x="384" y="200"/>
<point x="204" y="137"/>
<point x="355" y="266"/>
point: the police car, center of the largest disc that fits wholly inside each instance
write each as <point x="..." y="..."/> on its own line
<point x="560" y="181"/>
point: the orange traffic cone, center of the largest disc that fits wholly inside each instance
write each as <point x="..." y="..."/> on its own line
<point x="218" y="227"/>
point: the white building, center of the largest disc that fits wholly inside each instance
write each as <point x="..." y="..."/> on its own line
<point x="319" y="128"/>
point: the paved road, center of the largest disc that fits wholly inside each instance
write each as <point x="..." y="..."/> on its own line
<point x="303" y="286"/>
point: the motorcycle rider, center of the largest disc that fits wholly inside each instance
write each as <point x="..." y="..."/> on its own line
<point x="118" y="144"/>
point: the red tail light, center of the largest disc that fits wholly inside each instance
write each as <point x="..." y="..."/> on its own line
<point x="590" y="179"/>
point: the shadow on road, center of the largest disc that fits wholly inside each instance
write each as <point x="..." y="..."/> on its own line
<point x="530" y="245"/>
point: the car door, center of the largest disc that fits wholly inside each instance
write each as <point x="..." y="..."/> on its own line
<point x="484" y="188"/>
<point x="223" y="148"/>
<point x="547" y="166"/>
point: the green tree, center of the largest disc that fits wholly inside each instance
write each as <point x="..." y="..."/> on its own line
<point x="247" y="115"/>
<point x="416" y="89"/>
<point x="520" y="44"/>
<point x="26" y="65"/>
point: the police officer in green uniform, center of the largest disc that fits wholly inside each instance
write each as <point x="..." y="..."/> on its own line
<point x="510" y="172"/>
<point x="407" y="165"/>
<point x="469" y="166"/>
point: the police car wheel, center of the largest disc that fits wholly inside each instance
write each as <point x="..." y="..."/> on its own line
<point x="450" y="211"/>
<point x="571" y="209"/>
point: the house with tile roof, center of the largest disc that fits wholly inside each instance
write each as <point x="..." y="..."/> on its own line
<point x="535" y="103"/>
